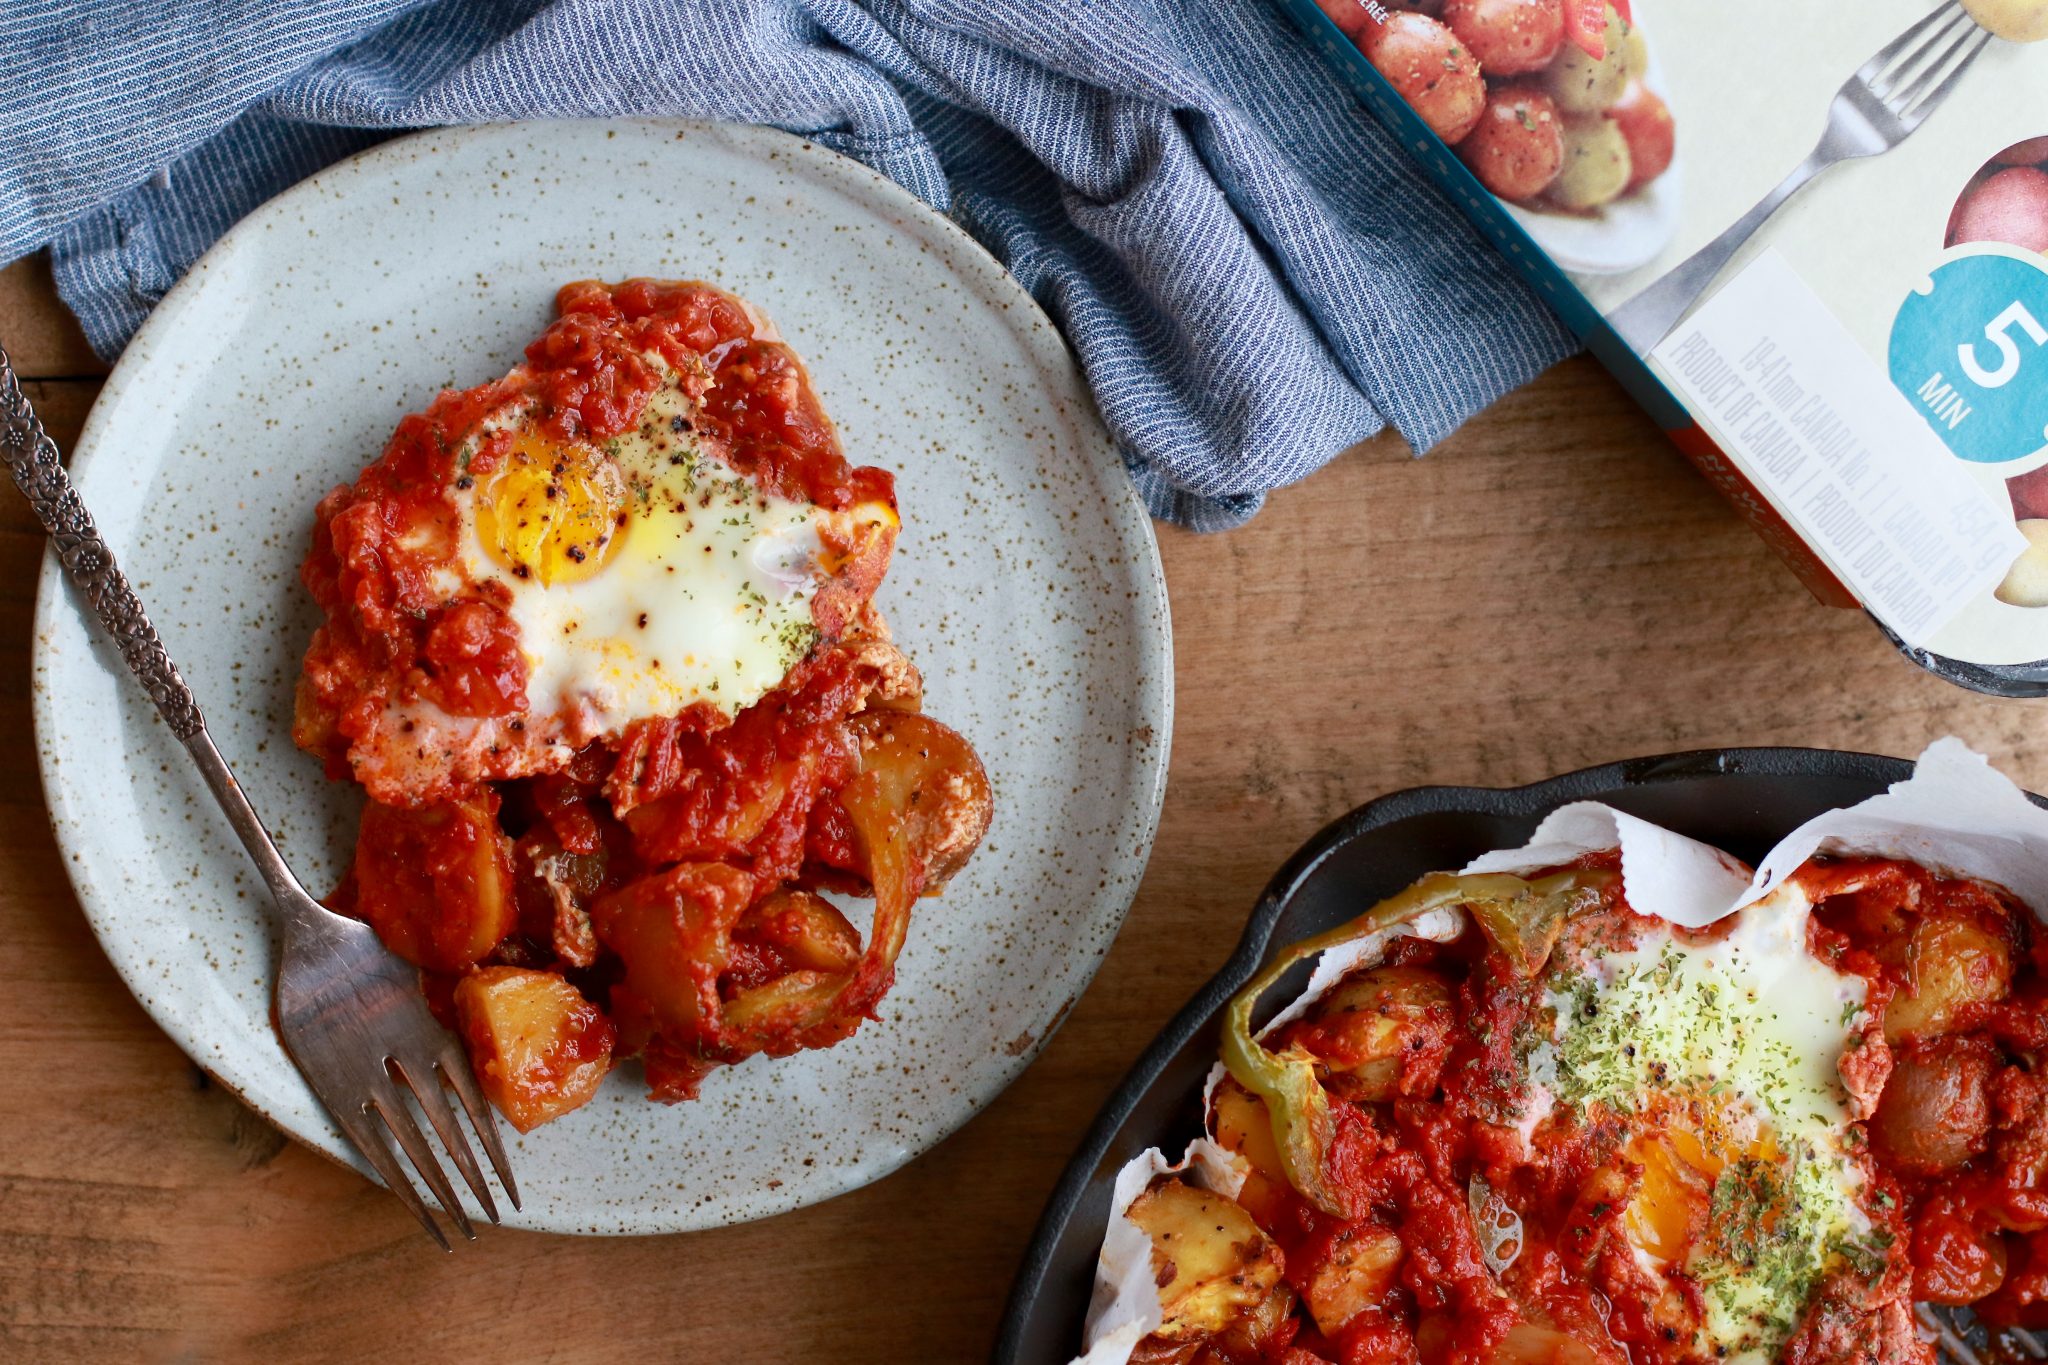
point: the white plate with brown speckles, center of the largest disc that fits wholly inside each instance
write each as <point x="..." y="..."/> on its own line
<point x="1026" y="586"/>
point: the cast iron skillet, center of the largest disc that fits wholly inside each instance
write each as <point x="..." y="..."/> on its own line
<point x="1741" y="800"/>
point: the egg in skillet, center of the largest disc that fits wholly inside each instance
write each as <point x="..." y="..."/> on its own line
<point x="1720" y="1059"/>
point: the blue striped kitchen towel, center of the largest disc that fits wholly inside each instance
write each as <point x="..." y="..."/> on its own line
<point x="1250" y="271"/>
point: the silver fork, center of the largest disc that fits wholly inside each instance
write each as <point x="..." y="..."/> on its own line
<point x="1964" y="1341"/>
<point x="1875" y="110"/>
<point x="350" y="1012"/>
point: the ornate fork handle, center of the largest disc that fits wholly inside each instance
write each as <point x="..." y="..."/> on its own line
<point x="32" y="458"/>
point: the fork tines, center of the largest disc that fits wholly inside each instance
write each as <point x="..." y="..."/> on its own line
<point x="1964" y="1340"/>
<point x="1919" y="68"/>
<point x="385" y="1117"/>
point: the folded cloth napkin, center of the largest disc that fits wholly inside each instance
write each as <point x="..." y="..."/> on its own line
<point x="1250" y="271"/>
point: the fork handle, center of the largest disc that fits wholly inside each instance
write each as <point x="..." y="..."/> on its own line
<point x="1649" y="317"/>
<point x="32" y="459"/>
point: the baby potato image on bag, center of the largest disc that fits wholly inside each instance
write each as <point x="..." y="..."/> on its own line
<point x="1546" y="101"/>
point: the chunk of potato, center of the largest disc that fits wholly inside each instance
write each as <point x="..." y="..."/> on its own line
<point x="724" y="810"/>
<point x="1935" y="1113"/>
<point x="538" y="1047"/>
<point x="930" y="781"/>
<point x="1529" y="1344"/>
<point x="805" y="929"/>
<point x="1959" y="1256"/>
<point x="1243" y="1124"/>
<point x="436" y="883"/>
<point x="1214" y="1265"/>
<point x="672" y="930"/>
<point x="1361" y="1267"/>
<point x="1156" y="1350"/>
<point x="1378" y="1024"/>
<point x="1952" y="962"/>
<point x="1253" y="1336"/>
<point x="1590" y="85"/>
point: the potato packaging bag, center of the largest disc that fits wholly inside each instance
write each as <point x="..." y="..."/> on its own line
<point x="1808" y="238"/>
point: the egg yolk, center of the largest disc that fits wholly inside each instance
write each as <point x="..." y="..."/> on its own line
<point x="1682" y="1160"/>
<point x="551" y="512"/>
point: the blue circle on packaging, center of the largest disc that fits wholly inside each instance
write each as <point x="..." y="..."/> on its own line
<point x="1970" y="351"/>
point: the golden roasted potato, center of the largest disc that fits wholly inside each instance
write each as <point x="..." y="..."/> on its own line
<point x="1361" y="1267"/>
<point x="1375" y="1024"/>
<point x="1252" y="1337"/>
<point x="1952" y="963"/>
<point x="538" y="1047"/>
<point x="673" y="931"/>
<point x="1155" y="1350"/>
<point x="1214" y="1265"/>
<point x="436" y="883"/>
<point x="929" y="787"/>
<point x="1244" y="1125"/>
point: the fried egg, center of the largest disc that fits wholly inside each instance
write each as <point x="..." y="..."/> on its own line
<point x="649" y="517"/>
<point x="1723" y="1058"/>
<point x="643" y="575"/>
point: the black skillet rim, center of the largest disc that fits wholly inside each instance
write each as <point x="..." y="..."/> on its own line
<point x="1255" y="942"/>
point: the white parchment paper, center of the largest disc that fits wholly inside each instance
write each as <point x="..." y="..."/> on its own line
<point x="1956" y="814"/>
<point x="1125" y="1305"/>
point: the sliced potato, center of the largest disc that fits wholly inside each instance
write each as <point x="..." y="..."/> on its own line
<point x="538" y="1047"/>
<point x="1214" y="1265"/>
<point x="436" y="882"/>
<point x="1242" y="1123"/>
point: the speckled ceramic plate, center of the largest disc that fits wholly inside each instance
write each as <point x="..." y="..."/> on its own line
<point x="1026" y="586"/>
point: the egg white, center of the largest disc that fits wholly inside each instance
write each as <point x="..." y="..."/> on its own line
<point x="704" y="599"/>
<point x="1755" y="1025"/>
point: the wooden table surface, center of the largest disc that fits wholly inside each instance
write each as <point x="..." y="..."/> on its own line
<point x="1553" y="588"/>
